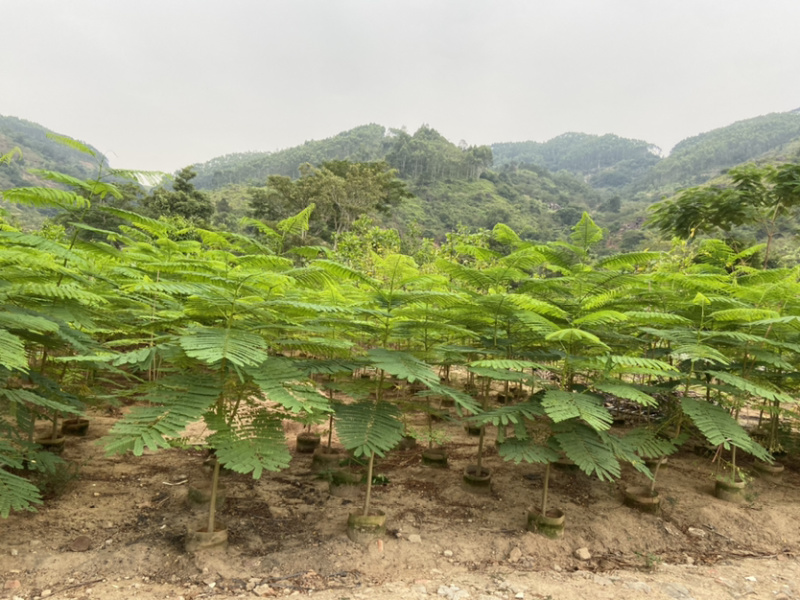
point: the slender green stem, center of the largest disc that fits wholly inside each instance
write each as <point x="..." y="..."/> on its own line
<point x="545" y="489"/>
<point x="368" y="497"/>
<point x="212" y="508"/>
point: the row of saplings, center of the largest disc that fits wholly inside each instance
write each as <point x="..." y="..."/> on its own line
<point x="349" y="479"/>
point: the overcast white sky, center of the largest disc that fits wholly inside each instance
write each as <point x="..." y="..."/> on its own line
<point x="160" y="84"/>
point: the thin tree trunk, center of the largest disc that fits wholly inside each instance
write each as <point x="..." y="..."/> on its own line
<point x="369" y="484"/>
<point x="212" y="508"/>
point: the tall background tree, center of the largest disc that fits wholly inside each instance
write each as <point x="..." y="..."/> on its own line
<point x="183" y="200"/>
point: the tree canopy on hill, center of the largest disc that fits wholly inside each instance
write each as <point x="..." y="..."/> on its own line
<point x="425" y="156"/>
<point x="360" y="144"/>
<point x="610" y="160"/>
<point x="341" y="191"/>
<point x="697" y="159"/>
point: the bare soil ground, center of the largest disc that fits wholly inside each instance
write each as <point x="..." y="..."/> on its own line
<point x="287" y="534"/>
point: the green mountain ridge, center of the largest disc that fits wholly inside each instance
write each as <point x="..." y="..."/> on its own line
<point x="540" y="188"/>
<point x="39" y="152"/>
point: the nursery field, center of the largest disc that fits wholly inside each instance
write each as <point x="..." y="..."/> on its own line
<point x="213" y="348"/>
<point x="117" y="530"/>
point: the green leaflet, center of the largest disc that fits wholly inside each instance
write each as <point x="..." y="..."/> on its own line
<point x="571" y="336"/>
<point x="628" y="392"/>
<point x="16" y="493"/>
<point x="512" y="414"/>
<point x="747" y="386"/>
<point x="281" y="381"/>
<point x="587" y="449"/>
<point x="212" y="346"/>
<point x="719" y="428"/>
<point x="367" y="428"/>
<point x="46" y="198"/>
<point x="602" y="317"/>
<point x="20" y="396"/>
<point x="176" y="402"/>
<point x="254" y="446"/>
<point x="12" y="352"/>
<point x="561" y="406"/>
<point x="517" y="451"/>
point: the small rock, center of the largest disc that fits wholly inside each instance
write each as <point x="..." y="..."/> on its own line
<point x="782" y="596"/>
<point x="264" y="590"/>
<point x="419" y="589"/>
<point x="695" y="532"/>
<point x="638" y="586"/>
<point x="252" y="583"/>
<point x="582" y="554"/>
<point x="514" y="555"/>
<point x="600" y="580"/>
<point x="519" y="595"/>
<point x="726" y="582"/>
<point x="671" y="529"/>
<point x="689" y="560"/>
<point x="557" y="568"/>
<point x="80" y="544"/>
<point x="14" y="552"/>
<point x="12" y="584"/>
<point x="677" y="591"/>
<point x="279" y="512"/>
<point x="751" y="578"/>
<point x="415" y="538"/>
<point x="448" y="553"/>
<point x="46" y="593"/>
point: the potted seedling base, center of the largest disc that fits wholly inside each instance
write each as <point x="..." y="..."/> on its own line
<point x="477" y="480"/>
<point x="729" y="489"/>
<point x="408" y="442"/>
<point x="643" y="499"/>
<point x="77" y="426"/>
<point x="325" y="459"/>
<point x="199" y="539"/>
<point x="769" y="472"/>
<point x="52" y="444"/>
<point x="364" y="529"/>
<point x="549" y="525"/>
<point x="199" y="495"/>
<point x="435" y="458"/>
<point x="346" y="484"/>
<point x="307" y="442"/>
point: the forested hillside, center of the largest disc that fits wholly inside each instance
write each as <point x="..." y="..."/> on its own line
<point x="702" y="157"/>
<point x="364" y="143"/>
<point x="38" y="151"/>
<point x="608" y="161"/>
<point x="540" y="188"/>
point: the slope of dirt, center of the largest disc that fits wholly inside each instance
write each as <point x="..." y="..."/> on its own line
<point x="287" y="534"/>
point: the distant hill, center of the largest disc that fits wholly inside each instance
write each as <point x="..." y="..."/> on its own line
<point x="38" y="151"/>
<point x="539" y="188"/>
<point x="362" y="144"/>
<point x="702" y="157"/>
<point x="606" y="161"/>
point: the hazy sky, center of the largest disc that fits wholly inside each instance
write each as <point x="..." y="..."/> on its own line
<point x="163" y="84"/>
